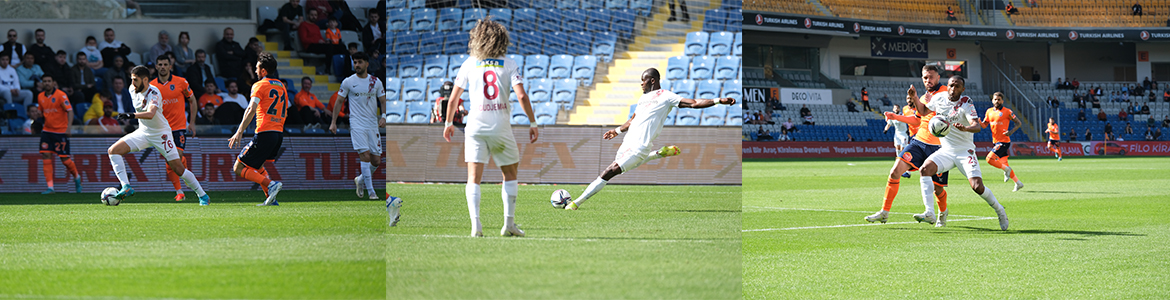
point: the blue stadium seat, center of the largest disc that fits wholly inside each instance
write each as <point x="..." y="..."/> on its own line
<point x="395" y="111"/>
<point x="79" y="109"/>
<point x="471" y="16"/>
<point x="569" y="4"/>
<point x="703" y="67"/>
<point x="530" y="42"/>
<point x="666" y="84"/>
<point x="555" y="43"/>
<point x="536" y="66"/>
<point x="707" y="89"/>
<point x="633" y="108"/>
<point x="670" y="117"/>
<point x="414" y="89"/>
<point x="398" y="19"/>
<point x="292" y="130"/>
<point x="454" y="63"/>
<point x="430" y="43"/>
<point x="393" y="89"/>
<point x="419" y="112"/>
<point x="519" y="60"/>
<point x="433" y="87"/>
<point x="423" y="19"/>
<point x="592" y="4"/>
<point x="550" y="20"/>
<point x="603" y="45"/>
<point x="546" y="113"/>
<point x="584" y="67"/>
<point x="684" y="88"/>
<point x="734" y="115"/>
<point x="518" y="115"/>
<point x="539" y="90"/>
<point x="715" y="20"/>
<point x="678" y="67"/>
<point x="734" y="21"/>
<point x="599" y="19"/>
<point x="436" y="66"/>
<point x="524" y="19"/>
<point x="623" y="22"/>
<point x="721" y="43"/>
<point x="21" y="110"/>
<point x="696" y="43"/>
<point x="714" y="116"/>
<point x="733" y="89"/>
<point x="456" y="43"/>
<point x="395" y="3"/>
<point x="732" y="4"/>
<point x="406" y="43"/>
<point x="502" y="16"/>
<point x="580" y="43"/>
<point x="688" y="117"/>
<point x="338" y="64"/>
<point x="565" y="93"/>
<point x="560" y="66"/>
<point x="738" y="44"/>
<point x="416" y="3"/>
<point x="450" y="19"/>
<point x="727" y="67"/>
<point x="617" y="4"/>
<point x="643" y="7"/>
<point x="410" y="66"/>
<point x="575" y="19"/>
<point x="391" y="65"/>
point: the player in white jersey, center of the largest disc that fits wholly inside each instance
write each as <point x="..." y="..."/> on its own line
<point x="489" y="77"/>
<point x="643" y="127"/>
<point x="153" y="131"/>
<point x="957" y="151"/>
<point x="365" y="95"/>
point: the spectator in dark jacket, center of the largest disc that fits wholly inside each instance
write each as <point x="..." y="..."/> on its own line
<point x="229" y="54"/>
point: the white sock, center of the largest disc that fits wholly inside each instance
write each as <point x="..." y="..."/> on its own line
<point x="990" y="198"/>
<point x="927" y="193"/>
<point x="592" y="189"/>
<point x="473" y="205"/>
<point x="193" y="183"/>
<point x="509" y="192"/>
<point x="368" y="178"/>
<point x="119" y="169"/>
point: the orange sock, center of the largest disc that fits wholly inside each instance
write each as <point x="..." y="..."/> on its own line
<point x="940" y="196"/>
<point x="1004" y="162"/>
<point x="48" y="167"/>
<point x="891" y="191"/>
<point x="993" y="160"/>
<point x="264" y="171"/>
<point x="174" y="178"/>
<point x="253" y="175"/>
<point x="1058" y="151"/>
<point x="71" y="167"/>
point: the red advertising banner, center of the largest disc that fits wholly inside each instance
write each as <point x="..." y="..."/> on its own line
<point x="1131" y="148"/>
<point x="880" y="149"/>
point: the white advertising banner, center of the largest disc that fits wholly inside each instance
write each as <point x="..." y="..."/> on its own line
<point x="795" y="96"/>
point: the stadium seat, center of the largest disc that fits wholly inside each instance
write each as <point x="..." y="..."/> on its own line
<point x="687" y="117"/>
<point x="599" y="19"/>
<point x="584" y="67"/>
<point x="530" y="42"/>
<point x="592" y="4"/>
<point x="684" y="88"/>
<point x="546" y="113"/>
<point x="436" y="66"/>
<point x="419" y="112"/>
<point x="603" y="45"/>
<point x="395" y="3"/>
<point x="518" y="115"/>
<point x="393" y="89"/>
<point x="720" y="44"/>
<point x="525" y="19"/>
<point x="267" y="13"/>
<point x="666" y="84"/>
<point x="617" y="4"/>
<point x="715" y="20"/>
<point x="703" y="67"/>
<point x="560" y="66"/>
<point x="575" y="19"/>
<point x="414" y="89"/>
<point x="623" y="22"/>
<point x="456" y="44"/>
<point x="565" y="93"/>
<point x="536" y="66"/>
<point x="433" y="87"/>
<point x="450" y="19"/>
<point x="733" y="89"/>
<point x="21" y="110"/>
<point x="338" y="65"/>
<point x="670" y="117"/>
<point x="135" y="58"/>
<point x="349" y="36"/>
<point x="696" y="43"/>
<point x="430" y="43"/>
<point x="406" y="43"/>
<point x="550" y="20"/>
<point x="580" y="43"/>
<point x="555" y="43"/>
<point x="398" y="19"/>
<point x="734" y="115"/>
<point x="707" y="89"/>
<point x="539" y="90"/>
<point x="422" y="19"/>
<point x="416" y="3"/>
<point x="80" y="108"/>
<point x="633" y="108"/>
<point x="502" y="16"/>
<point x="643" y="7"/>
<point x="471" y="16"/>
<point x="678" y="67"/>
<point x="714" y="115"/>
<point x="454" y="63"/>
<point x="519" y="60"/>
<point x="727" y="67"/>
<point x="410" y="66"/>
<point x="569" y="4"/>
<point x="395" y="111"/>
<point x="734" y="21"/>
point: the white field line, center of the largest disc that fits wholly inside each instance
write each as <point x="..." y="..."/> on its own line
<point x="849" y="211"/>
<point x="968" y="218"/>
<point x="498" y="238"/>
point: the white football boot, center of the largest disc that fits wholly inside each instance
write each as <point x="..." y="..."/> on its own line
<point x="924" y="217"/>
<point x="942" y="219"/>
<point x="1019" y="185"/>
<point x="357" y="187"/>
<point x="1007" y="171"/>
<point x="393" y="206"/>
<point x="513" y="230"/>
<point x="881" y="216"/>
<point x="1003" y="219"/>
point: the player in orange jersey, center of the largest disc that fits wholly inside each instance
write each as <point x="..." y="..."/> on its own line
<point x="269" y="105"/>
<point x="54" y="105"/>
<point x="921" y="146"/>
<point x="1054" y="138"/>
<point x="999" y="118"/>
<point x="177" y="99"/>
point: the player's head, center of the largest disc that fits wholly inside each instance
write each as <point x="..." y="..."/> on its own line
<point x="265" y="64"/>
<point x="360" y="62"/>
<point x="47" y="83"/>
<point x="956" y="85"/>
<point x="306" y="83"/>
<point x="997" y="100"/>
<point x="1051" y="121"/>
<point x="929" y="75"/>
<point x="488" y="40"/>
<point x="162" y="64"/>
<point x="139" y="75"/>
<point x="651" y="80"/>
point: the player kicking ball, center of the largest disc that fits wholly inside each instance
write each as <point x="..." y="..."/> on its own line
<point x="153" y="131"/>
<point x="957" y="151"/>
<point x="269" y="105"/>
<point x="489" y="76"/>
<point x="365" y="95"/>
<point x="643" y="127"/>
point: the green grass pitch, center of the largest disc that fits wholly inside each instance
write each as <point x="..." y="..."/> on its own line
<point x="313" y="246"/>
<point x="627" y="242"/>
<point x="1082" y="228"/>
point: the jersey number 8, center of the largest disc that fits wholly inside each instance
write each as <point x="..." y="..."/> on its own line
<point x="490" y="90"/>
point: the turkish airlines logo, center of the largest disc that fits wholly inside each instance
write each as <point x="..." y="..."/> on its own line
<point x="1145" y="35"/>
<point x="1010" y="34"/>
<point x="1072" y="35"/>
<point x="807" y="23"/>
<point x="759" y="20"/>
<point x="951" y="32"/>
<point x="857" y="27"/>
<point x="901" y="30"/>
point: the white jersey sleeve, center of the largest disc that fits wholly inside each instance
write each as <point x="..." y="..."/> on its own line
<point x="488" y="82"/>
<point x="649" y="116"/>
<point x="361" y="95"/>
<point x="142" y="101"/>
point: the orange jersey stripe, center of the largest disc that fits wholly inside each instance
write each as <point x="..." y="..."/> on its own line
<point x="923" y="134"/>
<point x="1053" y="132"/>
<point x="999" y="121"/>
<point x="174" y="100"/>
<point x="56" y="109"/>
<point x="273" y="105"/>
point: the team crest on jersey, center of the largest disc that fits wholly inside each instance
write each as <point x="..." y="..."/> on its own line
<point x="44" y="145"/>
<point x="907" y="156"/>
<point x="970" y="151"/>
<point x="172" y="87"/>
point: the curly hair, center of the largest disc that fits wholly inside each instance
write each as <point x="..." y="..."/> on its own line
<point x="488" y="40"/>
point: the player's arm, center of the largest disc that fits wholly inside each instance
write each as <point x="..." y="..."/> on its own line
<point x="249" y="114"/>
<point x="612" y="133"/>
<point x="149" y="113"/>
<point x="704" y="103"/>
<point x="192" y="105"/>
<point x="526" y="104"/>
<point x="449" y="127"/>
<point x="382" y="108"/>
<point x="1017" y="125"/>
<point x="69" y="125"/>
<point x="337" y="109"/>
<point x="904" y="119"/>
<point x="972" y="118"/>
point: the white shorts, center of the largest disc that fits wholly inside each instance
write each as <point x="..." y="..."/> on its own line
<point x="502" y="148"/>
<point x="366" y="140"/>
<point x="965" y="160"/>
<point x="164" y="143"/>
<point x="630" y="158"/>
<point x="901" y="140"/>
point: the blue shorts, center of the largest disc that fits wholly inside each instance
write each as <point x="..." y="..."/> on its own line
<point x="915" y="155"/>
<point x="263" y="147"/>
<point x="55" y="143"/>
<point x="180" y="138"/>
<point x="1001" y="149"/>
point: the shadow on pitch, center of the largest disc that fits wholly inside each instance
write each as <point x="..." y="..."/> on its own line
<point x="1083" y="233"/>
<point x="707" y="210"/>
<point x="1065" y="192"/>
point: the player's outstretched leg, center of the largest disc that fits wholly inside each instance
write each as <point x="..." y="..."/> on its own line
<point x="271" y="187"/>
<point x="119" y="164"/>
<point x="72" y="169"/>
<point x="985" y="193"/>
<point x="179" y="169"/>
<point x="596" y="186"/>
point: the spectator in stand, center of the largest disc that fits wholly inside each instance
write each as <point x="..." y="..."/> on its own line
<point x="184" y="56"/>
<point x="1108" y="129"/>
<point x="312" y="42"/>
<point x="290" y="17"/>
<point x="374" y="34"/>
<point x="252" y="53"/>
<point x="762" y="134"/>
<point x="211" y="95"/>
<point x="789" y="126"/>
<point x="1125" y="97"/>
<point x="1053" y="102"/>
<point x="343" y="116"/>
<point x="1096" y="102"/>
<point x="82" y="75"/>
<point x="1150" y="122"/>
<point x="199" y="71"/>
<point x="682" y="4"/>
<point x="233" y="95"/>
<point x="117" y="70"/>
<point x="1166" y="121"/>
<point x="1081" y="115"/>
<point x="105" y="123"/>
<point x="112" y="47"/>
<point x="1101" y="115"/>
<point x="886" y="100"/>
<point x="809" y="120"/>
<point x="1081" y="100"/>
<point x="848" y="137"/>
<point x="14" y="50"/>
<point x="232" y="109"/>
<point x="1059" y="84"/>
<point x="850" y="105"/>
<point x="29" y="74"/>
<point x="1099" y="92"/>
<point x="43" y="54"/>
<point x="1116" y="97"/>
<point x="10" y="90"/>
<point x="784" y="136"/>
<point x="1032" y="3"/>
<point x="35" y="121"/>
<point x="1067" y="84"/>
<point x="1088" y="135"/>
<point x="1011" y="9"/>
<point x="1072" y="135"/>
<point x="93" y="56"/>
<point x="1151" y="97"/>
<point x="207" y="115"/>
<point x="864" y="100"/>
<point x="804" y="111"/>
<point x="1138" y="91"/>
<point x="1149" y="134"/>
<point x="1075" y="84"/>
<point x="332" y="33"/>
<point x="1146" y="83"/>
<point x="951" y="14"/>
<point x="1137" y="9"/>
<point x="121" y="98"/>
<point x="1157" y="134"/>
<point x="1035" y="75"/>
<point x="59" y="69"/>
<point x="1128" y="128"/>
<point x="229" y="54"/>
<point x="310" y="109"/>
<point x="1145" y="109"/>
<point x="1122" y="115"/>
<point x="163" y="46"/>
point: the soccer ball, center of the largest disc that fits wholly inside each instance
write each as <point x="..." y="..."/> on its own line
<point x="939" y="126"/>
<point x="560" y="198"/>
<point x="108" y="197"/>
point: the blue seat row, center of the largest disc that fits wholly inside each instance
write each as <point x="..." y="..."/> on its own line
<point x="705" y="89"/>
<point x="722" y="19"/>
<point x="582" y="67"/>
<point x="643" y="6"/>
<point x="530" y="42"/>
<point x="718" y="43"/>
<point x="703" y="67"/>
<point x="526" y="19"/>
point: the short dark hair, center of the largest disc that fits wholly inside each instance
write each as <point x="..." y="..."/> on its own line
<point x="211" y="81"/>
<point x="79" y="54"/>
<point x="961" y="79"/>
<point x="141" y="71"/>
<point x="162" y="57"/>
<point x="62" y="52"/>
<point x="306" y="77"/>
<point x="38" y="30"/>
<point x="2" y="54"/>
<point x="267" y="62"/>
<point x="47" y="76"/>
<point x="200" y="51"/>
<point x="352" y="45"/>
<point x="90" y="38"/>
<point x="169" y="54"/>
<point x="361" y="56"/>
<point x="933" y="68"/>
<point x="310" y="10"/>
<point x="108" y="30"/>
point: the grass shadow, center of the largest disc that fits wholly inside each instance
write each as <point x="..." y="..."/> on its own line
<point x="1066" y="192"/>
<point x="707" y="210"/>
<point x="1083" y="233"/>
